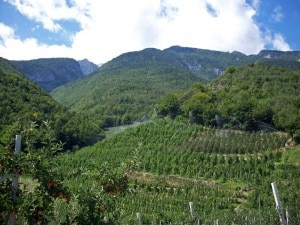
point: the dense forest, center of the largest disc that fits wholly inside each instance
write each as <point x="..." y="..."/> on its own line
<point x="218" y="145"/>
<point x="23" y="102"/>
<point x="124" y="90"/>
<point x="248" y="97"/>
<point x="127" y="88"/>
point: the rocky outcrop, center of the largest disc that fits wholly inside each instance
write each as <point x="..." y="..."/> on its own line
<point x="50" y="73"/>
<point x="87" y="67"/>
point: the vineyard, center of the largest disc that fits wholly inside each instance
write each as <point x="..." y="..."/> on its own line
<point x="225" y="174"/>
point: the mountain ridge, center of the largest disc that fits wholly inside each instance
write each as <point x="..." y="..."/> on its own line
<point x="126" y="88"/>
<point x="50" y="73"/>
<point x="87" y="67"/>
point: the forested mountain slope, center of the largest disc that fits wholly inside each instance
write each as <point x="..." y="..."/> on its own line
<point x="209" y="64"/>
<point x="127" y="88"/>
<point x="22" y="101"/>
<point x="243" y="96"/>
<point x="50" y="73"/>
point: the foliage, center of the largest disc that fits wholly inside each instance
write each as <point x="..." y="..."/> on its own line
<point x="22" y="101"/>
<point x="31" y="206"/>
<point x="49" y="200"/>
<point x="169" y="106"/>
<point x="127" y="88"/>
<point x="226" y="174"/>
<point x="157" y="167"/>
<point x="250" y="97"/>
<point x="119" y="93"/>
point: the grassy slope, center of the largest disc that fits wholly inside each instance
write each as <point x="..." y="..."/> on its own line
<point x="292" y="156"/>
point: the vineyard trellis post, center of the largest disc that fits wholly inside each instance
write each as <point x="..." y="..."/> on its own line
<point x="278" y="204"/>
<point x="196" y="222"/>
<point x="192" y="210"/>
<point x="138" y="215"/>
<point x="15" y="178"/>
<point x="15" y="182"/>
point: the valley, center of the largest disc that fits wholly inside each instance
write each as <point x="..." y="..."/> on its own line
<point x="151" y="132"/>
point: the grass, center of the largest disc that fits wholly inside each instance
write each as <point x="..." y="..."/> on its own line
<point x="292" y="156"/>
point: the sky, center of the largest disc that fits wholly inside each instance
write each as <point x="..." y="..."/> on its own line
<point x="101" y="30"/>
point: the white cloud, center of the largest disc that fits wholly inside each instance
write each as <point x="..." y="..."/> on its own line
<point x="46" y="12"/>
<point x="12" y="47"/>
<point x="6" y="32"/>
<point x="111" y="27"/>
<point x="277" y="14"/>
<point x="256" y="4"/>
<point x="279" y="43"/>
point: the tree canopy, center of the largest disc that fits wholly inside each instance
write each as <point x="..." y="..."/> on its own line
<point x="245" y="96"/>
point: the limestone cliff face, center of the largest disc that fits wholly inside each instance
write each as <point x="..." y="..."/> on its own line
<point x="87" y="67"/>
<point x="51" y="72"/>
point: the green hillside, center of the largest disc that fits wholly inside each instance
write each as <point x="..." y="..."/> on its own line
<point x="23" y="101"/>
<point x="125" y="89"/>
<point x="248" y="97"/>
<point x="209" y="148"/>
<point x="209" y="64"/>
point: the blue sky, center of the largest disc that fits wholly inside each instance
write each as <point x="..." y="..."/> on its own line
<point x="103" y="29"/>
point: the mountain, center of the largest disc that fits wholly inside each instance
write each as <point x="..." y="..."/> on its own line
<point x="252" y="97"/>
<point x="273" y="54"/>
<point x="87" y="67"/>
<point x="22" y="101"/>
<point x="50" y="73"/>
<point x="208" y="64"/>
<point x="126" y="88"/>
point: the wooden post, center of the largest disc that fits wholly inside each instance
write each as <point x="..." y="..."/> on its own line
<point x="138" y="215"/>
<point x="278" y="204"/>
